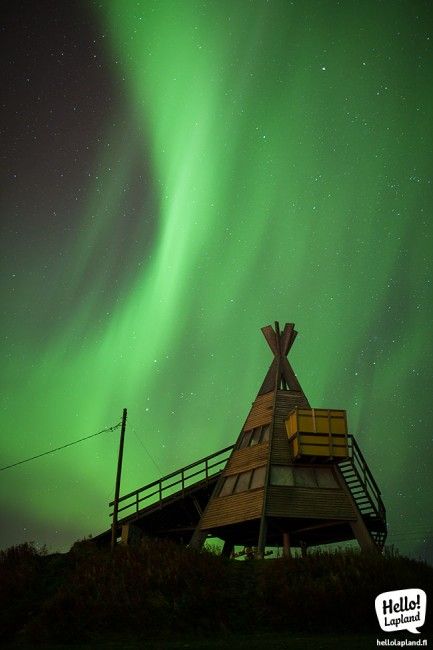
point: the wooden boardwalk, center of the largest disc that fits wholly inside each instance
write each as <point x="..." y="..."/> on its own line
<point x="171" y="506"/>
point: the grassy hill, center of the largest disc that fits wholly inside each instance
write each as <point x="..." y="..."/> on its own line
<point x="163" y="591"/>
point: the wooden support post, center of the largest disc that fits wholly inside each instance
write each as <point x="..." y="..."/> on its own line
<point x="199" y="537"/>
<point x="118" y="475"/>
<point x="261" y="545"/>
<point x="131" y="535"/>
<point x="362" y="534"/>
<point x="227" y="548"/>
<point x="286" y="545"/>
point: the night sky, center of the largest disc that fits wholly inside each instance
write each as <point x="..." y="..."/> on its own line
<point x="176" y="175"/>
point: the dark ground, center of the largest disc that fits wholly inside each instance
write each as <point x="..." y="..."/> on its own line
<point x="162" y="596"/>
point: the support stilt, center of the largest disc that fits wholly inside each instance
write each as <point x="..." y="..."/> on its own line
<point x="262" y="539"/>
<point x="227" y="548"/>
<point x="286" y="545"/>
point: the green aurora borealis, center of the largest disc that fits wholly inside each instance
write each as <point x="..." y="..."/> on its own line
<point x="255" y="161"/>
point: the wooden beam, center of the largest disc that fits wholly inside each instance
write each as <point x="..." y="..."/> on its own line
<point x="290" y="376"/>
<point x="287" y="338"/>
<point x="317" y="527"/>
<point x="270" y="337"/>
<point x="269" y="380"/>
<point x="286" y="545"/>
<point x="197" y="506"/>
<point x="227" y="548"/>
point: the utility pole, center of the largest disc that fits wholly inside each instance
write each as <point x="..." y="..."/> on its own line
<point x="117" y="488"/>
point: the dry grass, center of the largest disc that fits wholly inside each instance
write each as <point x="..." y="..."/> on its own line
<point x="165" y="591"/>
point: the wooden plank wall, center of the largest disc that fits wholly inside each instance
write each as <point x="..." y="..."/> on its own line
<point x="313" y="503"/>
<point x="248" y="505"/>
<point x="233" y="509"/>
<point x="261" y="411"/>
<point x="247" y="458"/>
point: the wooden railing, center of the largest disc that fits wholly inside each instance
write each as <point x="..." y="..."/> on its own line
<point x="175" y="483"/>
<point x="365" y="477"/>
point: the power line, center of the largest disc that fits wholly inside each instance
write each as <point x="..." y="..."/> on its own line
<point x="148" y="452"/>
<point x="411" y="532"/>
<point x="51" y="451"/>
<point x="410" y="538"/>
<point x="411" y="526"/>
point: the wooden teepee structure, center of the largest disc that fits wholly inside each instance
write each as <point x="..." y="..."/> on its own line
<point x="292" y="479"/>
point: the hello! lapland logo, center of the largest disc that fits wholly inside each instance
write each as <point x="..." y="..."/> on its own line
<point x="403" y="609"/>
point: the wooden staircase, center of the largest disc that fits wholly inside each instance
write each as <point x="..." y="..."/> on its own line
<point x="365" y="492"/>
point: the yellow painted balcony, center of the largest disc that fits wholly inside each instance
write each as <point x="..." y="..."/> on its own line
<point x="319" y="434"/>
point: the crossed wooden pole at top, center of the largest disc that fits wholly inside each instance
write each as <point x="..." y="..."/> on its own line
<point x="280" y="373"/>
